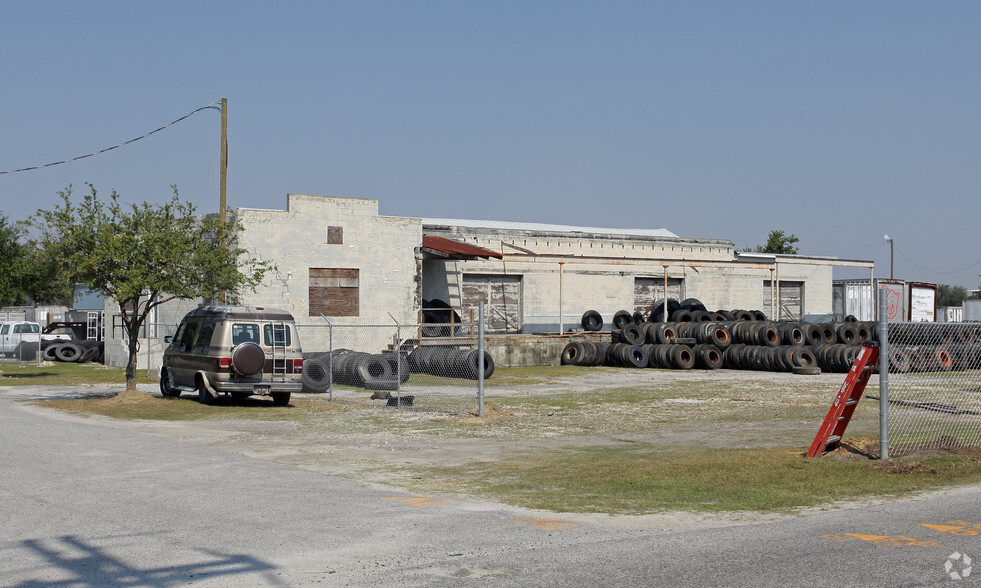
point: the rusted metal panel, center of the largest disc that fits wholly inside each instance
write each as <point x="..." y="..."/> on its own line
<point x="502" y="301"/>
<point x="456" y="249"/>
<point x="335" y="235"/>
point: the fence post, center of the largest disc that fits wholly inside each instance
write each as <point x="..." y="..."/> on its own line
<point x="330" y="359"/>
<point x="480" y="360"/>
<point x="883" y="374"/>
<point x="398" y="361"/>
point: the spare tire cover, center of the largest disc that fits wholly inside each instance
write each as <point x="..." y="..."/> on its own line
<point x="248" y="359"/>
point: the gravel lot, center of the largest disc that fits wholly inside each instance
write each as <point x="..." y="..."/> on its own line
<point x="721" y="409"/>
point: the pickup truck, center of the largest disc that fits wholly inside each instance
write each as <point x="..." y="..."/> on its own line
<point x="20" y="339"/>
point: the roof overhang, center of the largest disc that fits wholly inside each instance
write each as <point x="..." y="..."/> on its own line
<point x="451" y="249"/>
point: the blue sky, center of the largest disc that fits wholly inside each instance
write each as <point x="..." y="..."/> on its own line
<point x="836" y="121"/>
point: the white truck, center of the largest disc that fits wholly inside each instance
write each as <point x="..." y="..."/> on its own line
<point x="20" y="339"/>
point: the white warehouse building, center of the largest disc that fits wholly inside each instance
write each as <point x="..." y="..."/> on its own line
<point x="339" y="261"/>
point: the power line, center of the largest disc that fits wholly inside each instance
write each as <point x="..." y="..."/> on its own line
<point x="213" y="106"/>
<point x="934" y="271"/>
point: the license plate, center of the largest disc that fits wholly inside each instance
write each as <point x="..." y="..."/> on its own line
<point x="260" y="390"/>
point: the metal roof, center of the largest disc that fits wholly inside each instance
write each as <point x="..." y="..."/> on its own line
<point x="455" y="249"/>
<point x="487" y="224"/>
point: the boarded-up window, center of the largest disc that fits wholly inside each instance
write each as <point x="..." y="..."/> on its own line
<point x="647" y="291"/>
<point x="502" y="301"/>
<point x="791" y="301"/>
<point x="335" y="235"/>
<point x="334" y="292"/>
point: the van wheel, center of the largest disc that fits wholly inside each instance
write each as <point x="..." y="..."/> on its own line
<point x="203" y="396"/>
<point x="165" y="389"/>
<point x="281" y="398"/>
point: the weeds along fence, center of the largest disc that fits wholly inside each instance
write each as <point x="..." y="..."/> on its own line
<point x="403" y="366"/>
<point x="934" y="386"/>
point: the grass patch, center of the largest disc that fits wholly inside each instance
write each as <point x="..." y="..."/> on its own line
<point x="67" y="374"/>
<point x="639" y="481"/>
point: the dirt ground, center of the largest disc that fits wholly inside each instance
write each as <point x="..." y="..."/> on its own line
<point x="674" y="410"/>
<point x="380" y="445"/>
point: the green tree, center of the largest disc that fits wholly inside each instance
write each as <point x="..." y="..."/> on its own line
<point x="951" y="295"/>
<point x="777" y="242"/>
<point x="12" y="255"/>
<point x="28" y="273"/>
<point x="144" y="255"/>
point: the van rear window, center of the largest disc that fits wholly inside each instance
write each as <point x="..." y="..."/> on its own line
<point x="276" y="335"/>
<point x="245" y="333"/>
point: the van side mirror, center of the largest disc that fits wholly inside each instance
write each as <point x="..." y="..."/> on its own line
<point x="169" y="339"/>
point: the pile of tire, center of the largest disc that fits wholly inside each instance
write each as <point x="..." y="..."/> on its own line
<point x="933" y="347"/>
<point x="735" y="339"/>
<point x="449" y="362"/>
<point x="73" y="351"/>
<point x="372" y="371"/>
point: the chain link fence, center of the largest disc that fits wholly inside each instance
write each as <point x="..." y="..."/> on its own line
<point x="23" y="354"/>
<point x="934" y="386"/>
<point x="433" y="367"/>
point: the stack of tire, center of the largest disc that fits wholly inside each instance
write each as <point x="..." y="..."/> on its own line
<point x="931" y="347"/>
<point x="449" y="362"/>
<point x="736" y="339"/>
<point x="372" y="371"/>
<point x="73" y="351"/>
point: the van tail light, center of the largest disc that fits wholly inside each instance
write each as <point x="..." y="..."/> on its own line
<point x="224" y="362"/>
<point x="297" y="365"/>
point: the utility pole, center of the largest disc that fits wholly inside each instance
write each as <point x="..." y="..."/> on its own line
<point x="223" y="178"/>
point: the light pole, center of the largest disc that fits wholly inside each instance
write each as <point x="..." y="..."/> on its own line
<point x="888" y="238"/>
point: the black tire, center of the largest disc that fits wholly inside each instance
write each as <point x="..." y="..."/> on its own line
<point x="708" y="356"/>
<point x="638" y="317"/>
<point x="657" y="309"/>
<point x="693" y="304"/>
<point x="372" y="367"/>
<point x="316" y="371"/>
<point x="681" y="316"/>
<point x="682" y="357"/>
<point x="665" y="333"/>
<point x="68" y="352"/>
<point x="204" y="397"/>
<point x="631" y="334"/>
<point x="381" y="384"/>
<point x="847" y="334"/>
<point x="280" y="398"/>
<point x="573" y="354"/>
<point x="592" y="321"/>
<point x="165" y="390"/>
<point x="622" y="318"/>
<point x="634" y="356"/>
<point x="807" y="371"/>
<point x="48" y="354"/>
<point x="25" y="351"/>
<point x="88" y="354"/>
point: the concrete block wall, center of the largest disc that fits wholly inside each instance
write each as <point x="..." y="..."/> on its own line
<point x="382" y="248"/>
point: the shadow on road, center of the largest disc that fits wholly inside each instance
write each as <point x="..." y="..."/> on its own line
<point x="83" y="565"/>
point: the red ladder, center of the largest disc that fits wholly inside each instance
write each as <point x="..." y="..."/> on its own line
<point x="833" y="427"/>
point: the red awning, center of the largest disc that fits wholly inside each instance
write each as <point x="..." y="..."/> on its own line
<point x="451" y="249"/>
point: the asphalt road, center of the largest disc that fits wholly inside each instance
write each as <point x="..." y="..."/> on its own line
<point x="90" y="504"/>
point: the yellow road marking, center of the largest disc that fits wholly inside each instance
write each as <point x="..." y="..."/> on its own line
<point x="415" y="501"/>
<point x="954" y="529"/>
<point x="897" y="541"/>
<point x="547" y="524"/>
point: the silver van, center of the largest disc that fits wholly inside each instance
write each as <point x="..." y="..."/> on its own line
<point x="236" y="350"/>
